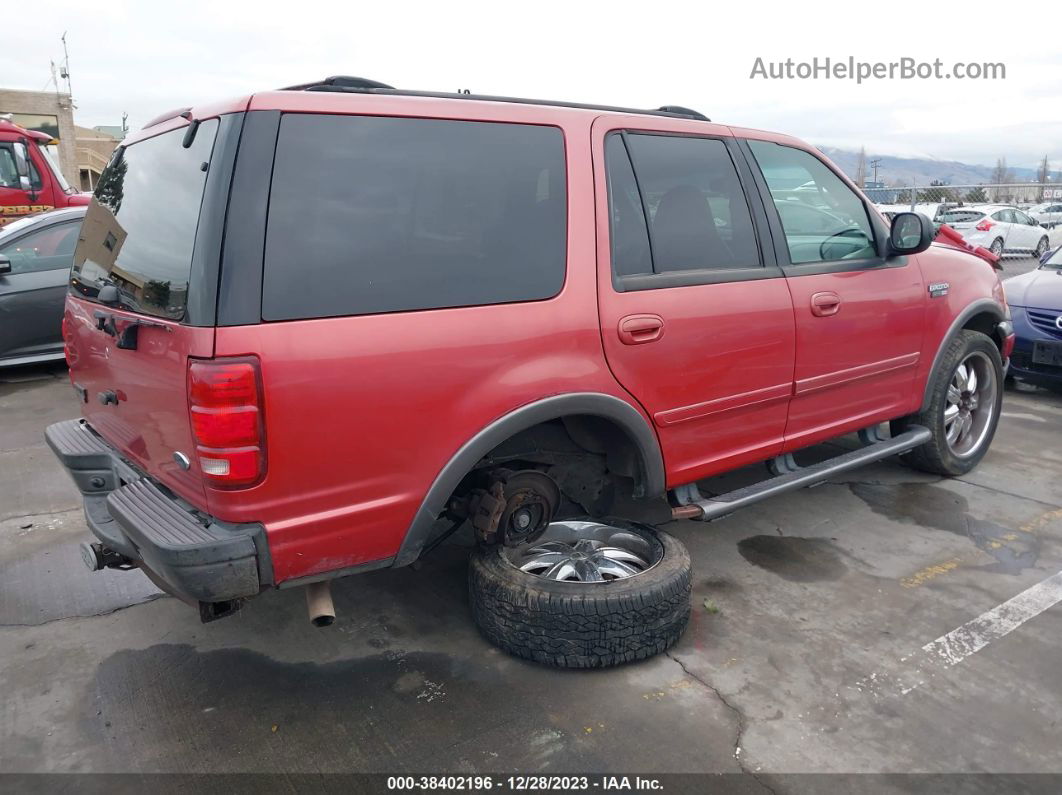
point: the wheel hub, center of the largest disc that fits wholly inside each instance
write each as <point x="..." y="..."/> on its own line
<point x="531" y="500"/>
<point x="970" y="404"/>
<point x="585" y="552"/>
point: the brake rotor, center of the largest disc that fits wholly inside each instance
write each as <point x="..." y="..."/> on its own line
<point x="531" y="501"/>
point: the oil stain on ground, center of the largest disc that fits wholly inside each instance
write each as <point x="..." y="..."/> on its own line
<point x="234" y="709"/>
<point x="174" y="707"/>
<point x="794" y="558"/>
<point x="935" y="507"/>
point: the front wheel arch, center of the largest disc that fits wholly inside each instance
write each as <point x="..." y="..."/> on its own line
<point x="983" y="315"/>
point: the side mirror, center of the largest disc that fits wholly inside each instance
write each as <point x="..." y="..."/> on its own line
<point x="5" y="265"/>
<point x="911" y="234"/>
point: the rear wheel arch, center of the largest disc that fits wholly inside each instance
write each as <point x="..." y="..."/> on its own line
<point x="610" y="422"/>
<point x="984" y="316"/>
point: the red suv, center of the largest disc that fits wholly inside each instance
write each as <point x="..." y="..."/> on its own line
<point x="314" y="331"/>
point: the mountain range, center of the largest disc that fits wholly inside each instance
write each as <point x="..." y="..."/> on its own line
<point x="902" y="171"/>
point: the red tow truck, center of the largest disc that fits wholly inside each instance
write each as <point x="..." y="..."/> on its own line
<point x="30" y="179"/>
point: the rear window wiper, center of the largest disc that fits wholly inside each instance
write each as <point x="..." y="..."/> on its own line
<point x="128" y="337"/>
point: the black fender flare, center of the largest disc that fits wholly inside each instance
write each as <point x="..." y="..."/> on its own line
<point x="980" y="306"/>
<point x="625" y="415"/>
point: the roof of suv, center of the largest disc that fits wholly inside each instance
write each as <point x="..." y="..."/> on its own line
<point x="352" y="94"/>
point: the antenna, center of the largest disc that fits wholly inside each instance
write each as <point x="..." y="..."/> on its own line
<point x="64" y="70"/>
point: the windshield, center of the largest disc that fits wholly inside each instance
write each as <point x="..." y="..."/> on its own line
<point x="1055" y="260"/>
<point x="54" y="165"/>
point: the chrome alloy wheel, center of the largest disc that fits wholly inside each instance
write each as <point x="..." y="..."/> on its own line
<point x="586" y="552"/>
<point x="971" y="404"/>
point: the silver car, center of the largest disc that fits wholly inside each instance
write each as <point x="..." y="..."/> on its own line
<point x="35" y="257"/>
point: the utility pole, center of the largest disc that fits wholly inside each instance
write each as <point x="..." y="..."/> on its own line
<point x="874" y="165"/>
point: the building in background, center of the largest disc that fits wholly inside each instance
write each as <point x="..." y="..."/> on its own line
<point x="51" y="113"/>
<point x="94" y="148"/>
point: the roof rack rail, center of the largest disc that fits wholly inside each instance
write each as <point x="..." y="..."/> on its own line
<point x="185" y="113"/>
<point x="361" y="85"/>
<point x="340" y="83"/>
<point x="679" y="110"/>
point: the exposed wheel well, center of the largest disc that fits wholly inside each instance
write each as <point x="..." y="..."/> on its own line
<point x="574" y="434"/>
<point x="588" y="424"/>
<point x="988" y="324"/>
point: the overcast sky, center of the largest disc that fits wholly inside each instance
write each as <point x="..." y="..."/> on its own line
<point x="148" y="57"/>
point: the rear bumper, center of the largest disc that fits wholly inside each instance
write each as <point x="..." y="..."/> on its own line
<point x="187" y="553"/>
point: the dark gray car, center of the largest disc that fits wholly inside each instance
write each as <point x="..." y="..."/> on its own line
<point x="35" y="256"/>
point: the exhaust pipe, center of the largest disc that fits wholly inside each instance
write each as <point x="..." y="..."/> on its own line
<point x="319" y="603"/>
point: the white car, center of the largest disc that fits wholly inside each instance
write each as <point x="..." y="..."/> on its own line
<point x="934" y="211"/>
<point x="1048" y="214"/>
<point x="1001" y="228"/>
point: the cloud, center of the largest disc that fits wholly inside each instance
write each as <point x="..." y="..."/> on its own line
<point x="147" y="57"/>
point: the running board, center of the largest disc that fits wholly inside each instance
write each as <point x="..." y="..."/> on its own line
<point x="711" y="508"/>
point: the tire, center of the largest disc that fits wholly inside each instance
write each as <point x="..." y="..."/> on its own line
<point x="952" y="458"/>
<point x="583" y="624"/>
<point x="1041" y="248"/>
<point x="997" y="247"/>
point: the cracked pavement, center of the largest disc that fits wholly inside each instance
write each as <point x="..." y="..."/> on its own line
<point x="818" y="598"/>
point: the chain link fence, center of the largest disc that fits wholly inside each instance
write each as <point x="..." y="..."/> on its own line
<point x="1021" y="194"/>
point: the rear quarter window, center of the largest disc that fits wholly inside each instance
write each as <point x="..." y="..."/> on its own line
<point x="374" y="214"/>
<point x="140" y="228"/>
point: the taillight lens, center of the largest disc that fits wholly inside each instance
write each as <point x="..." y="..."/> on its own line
<point x="225" y="405"/>
<point x="65" y="328"/>
<point x="984" y="226"/>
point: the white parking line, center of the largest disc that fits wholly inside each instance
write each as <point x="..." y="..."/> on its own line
<point x="951" y="649"/>
<point x="974" y="635"/>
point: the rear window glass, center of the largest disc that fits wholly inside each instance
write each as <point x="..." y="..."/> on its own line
<point x="961" y="216"/>
<point x="140" y="227"/>
<point x="373" y="214"/>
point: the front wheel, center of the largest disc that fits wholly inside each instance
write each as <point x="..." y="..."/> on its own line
<point x="965" y="397"/>
<point x="1041" y="247"/>
<point x="586" y="594"/>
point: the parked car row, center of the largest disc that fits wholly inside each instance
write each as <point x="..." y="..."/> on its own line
<point x="35" y="257"/>
<point x="1002" y="229"/>
<point x="1049" y="215"/>
<point x="1035" y="300"/>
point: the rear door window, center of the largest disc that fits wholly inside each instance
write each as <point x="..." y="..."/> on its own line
<point x="139" y="231"/>
<point x="698" y="215"/>
<point x="376" y="214"/>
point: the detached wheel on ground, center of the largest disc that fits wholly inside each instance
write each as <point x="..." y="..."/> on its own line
<point x="966" y="393"/>
<point x="586" y="594"/>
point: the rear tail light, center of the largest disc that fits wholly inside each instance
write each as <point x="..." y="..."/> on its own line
<point x="225" y="405"/>
<point x="984" y="226"/>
